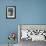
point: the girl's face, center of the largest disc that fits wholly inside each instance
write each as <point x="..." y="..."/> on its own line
<point x="9" y="13"/>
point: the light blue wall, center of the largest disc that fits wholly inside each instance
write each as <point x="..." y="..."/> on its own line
<point x="6" y="25"/>
<point x="27" y="12"/>
<point x="31" y="11"/>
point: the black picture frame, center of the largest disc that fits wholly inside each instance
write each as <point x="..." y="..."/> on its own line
<point x="10" y="12"/>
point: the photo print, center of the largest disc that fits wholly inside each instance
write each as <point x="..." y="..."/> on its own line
<point x="11" y="12"/>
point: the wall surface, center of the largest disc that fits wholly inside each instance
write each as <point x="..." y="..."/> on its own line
<point x="31" y="11"/>
<point x="6" y="25"/>
<point x="27" y="12"/>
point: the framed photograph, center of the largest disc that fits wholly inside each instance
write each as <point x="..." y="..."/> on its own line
<point x="11" y="12"/>
<point x="33" y="32"/>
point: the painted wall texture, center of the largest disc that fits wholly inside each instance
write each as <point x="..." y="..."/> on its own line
<point x="27" y="12"/>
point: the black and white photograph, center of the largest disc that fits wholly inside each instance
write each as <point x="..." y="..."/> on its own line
<point x="11" y="12"/>
<point x="30" y="34"/>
